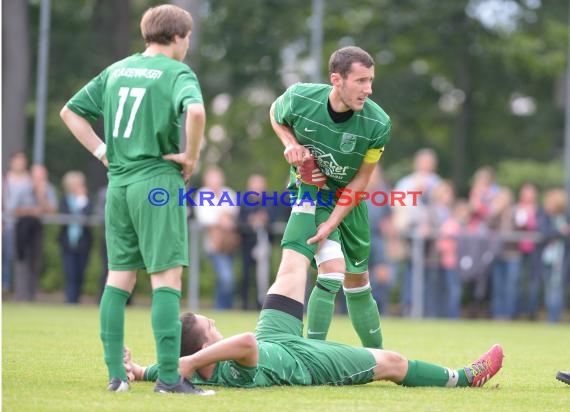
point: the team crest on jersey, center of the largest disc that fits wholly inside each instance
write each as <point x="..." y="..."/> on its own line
<point x="347" y="142"/>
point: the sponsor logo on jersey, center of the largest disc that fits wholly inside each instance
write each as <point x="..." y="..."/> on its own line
<point x="328" y="164"/>
<point x="234" y="372"/>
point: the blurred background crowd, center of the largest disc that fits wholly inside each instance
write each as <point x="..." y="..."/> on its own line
<point x="498" y="253"/>
<point x="481" y="85"/>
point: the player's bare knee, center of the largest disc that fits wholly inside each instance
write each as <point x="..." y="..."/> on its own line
<point x="389" y="365"/>
<point x="353" y="280"/>
<point x="392" y="366"/>
<point x="395" y="359"/>
<point x="332" y="266"/>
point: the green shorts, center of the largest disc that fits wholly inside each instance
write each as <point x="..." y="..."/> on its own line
<point x="141" y="235"/>
<point x="328" y="363"/>
<point x="353" y="233"/>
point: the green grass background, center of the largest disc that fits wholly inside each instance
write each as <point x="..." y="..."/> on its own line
<point x="52" y="361"/>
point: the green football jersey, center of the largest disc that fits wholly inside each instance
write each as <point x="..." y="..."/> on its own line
<point x="338" y="147"/>
<point x="141" y="99"/>
<point x="291" y="361"/>
<point x="286" y="358"/>
<point x="276" y="366"/>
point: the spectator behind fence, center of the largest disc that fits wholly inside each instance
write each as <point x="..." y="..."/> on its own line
<point x="477" y="251"/>
<point x="254" y="222"/>
<point x="455" y="226"/>
<point x="484" y="188"/>
<point x="216" y="211"/>
<point x="30" y="205"/>
<point x="439" y="209"/>
<point x="526" y="219"/>
<point x="16" y="180"/>
<point x="407" y="219"/>
<point x="381" y="267"/>
<point x="505" y="271"/>
<point x="75" y="238"/>
<point x="554" y="224"/>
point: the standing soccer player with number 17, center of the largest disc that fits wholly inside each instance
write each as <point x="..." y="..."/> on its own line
<point x="141" y="99"/>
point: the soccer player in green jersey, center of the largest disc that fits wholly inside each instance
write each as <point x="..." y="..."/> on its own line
<point x="141" y="99"/>
<point x="345" y="132"/>
<point x="278" y="354"/>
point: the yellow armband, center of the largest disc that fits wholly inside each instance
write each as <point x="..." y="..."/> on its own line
<point x="373" y="155"/>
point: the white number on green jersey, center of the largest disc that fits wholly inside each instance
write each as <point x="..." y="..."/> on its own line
<point x="124" y="93"/>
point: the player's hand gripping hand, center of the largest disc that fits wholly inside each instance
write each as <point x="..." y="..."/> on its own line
<point x="295" y="154"/>
<point x="188" y="165"/>
<point x="310" y="173"/>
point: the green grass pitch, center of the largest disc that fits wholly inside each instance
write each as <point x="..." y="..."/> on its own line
<point x="52" y="361"/>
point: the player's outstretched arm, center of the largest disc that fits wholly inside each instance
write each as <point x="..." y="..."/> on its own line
<point x="240" y="348"/>
<point x="135" y="372"/>
<point x="82" y="130"/>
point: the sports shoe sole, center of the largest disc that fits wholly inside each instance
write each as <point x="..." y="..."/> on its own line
<point x="117" y="385"/>
<point x="563" y="377"/>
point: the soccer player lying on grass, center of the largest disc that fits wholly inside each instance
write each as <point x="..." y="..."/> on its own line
<point x="278" y="354"/>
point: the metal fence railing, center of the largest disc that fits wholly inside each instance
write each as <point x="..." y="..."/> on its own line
<point x="417" y="254"/>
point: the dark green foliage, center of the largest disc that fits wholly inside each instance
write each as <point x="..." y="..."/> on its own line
<point x="423" y="50"/>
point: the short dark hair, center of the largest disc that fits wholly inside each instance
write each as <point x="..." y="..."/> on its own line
<point x="192" y="338"/>
<point x="161" y="23"/>
<point x="342" y="59"/>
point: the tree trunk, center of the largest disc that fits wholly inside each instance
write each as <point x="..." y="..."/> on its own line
<point x="16" y="77"/>
<point x="461" y="132"/>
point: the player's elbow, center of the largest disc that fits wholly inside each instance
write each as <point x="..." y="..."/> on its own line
<point x="248" y="349"/>
<point x="64" y="113"/>
<point x="196" y="113"/>
<point x="248" y="341"/>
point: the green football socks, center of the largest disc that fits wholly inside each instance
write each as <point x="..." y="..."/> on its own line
<point x="320" y="308"/>
<point x="112" y="323"/>
<point x="427" y="374"/>
<point x="364" y="315"/>
<point x="167" y="329"/>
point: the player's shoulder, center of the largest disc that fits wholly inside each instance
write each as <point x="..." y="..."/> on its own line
<point x="310" y="89"/>
<point x="124" y="62"/>
<point x="373" y="112"/>
<point x="158" y="62"/>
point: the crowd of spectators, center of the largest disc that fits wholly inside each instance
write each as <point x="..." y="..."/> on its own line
<point x="493" y="253"/>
